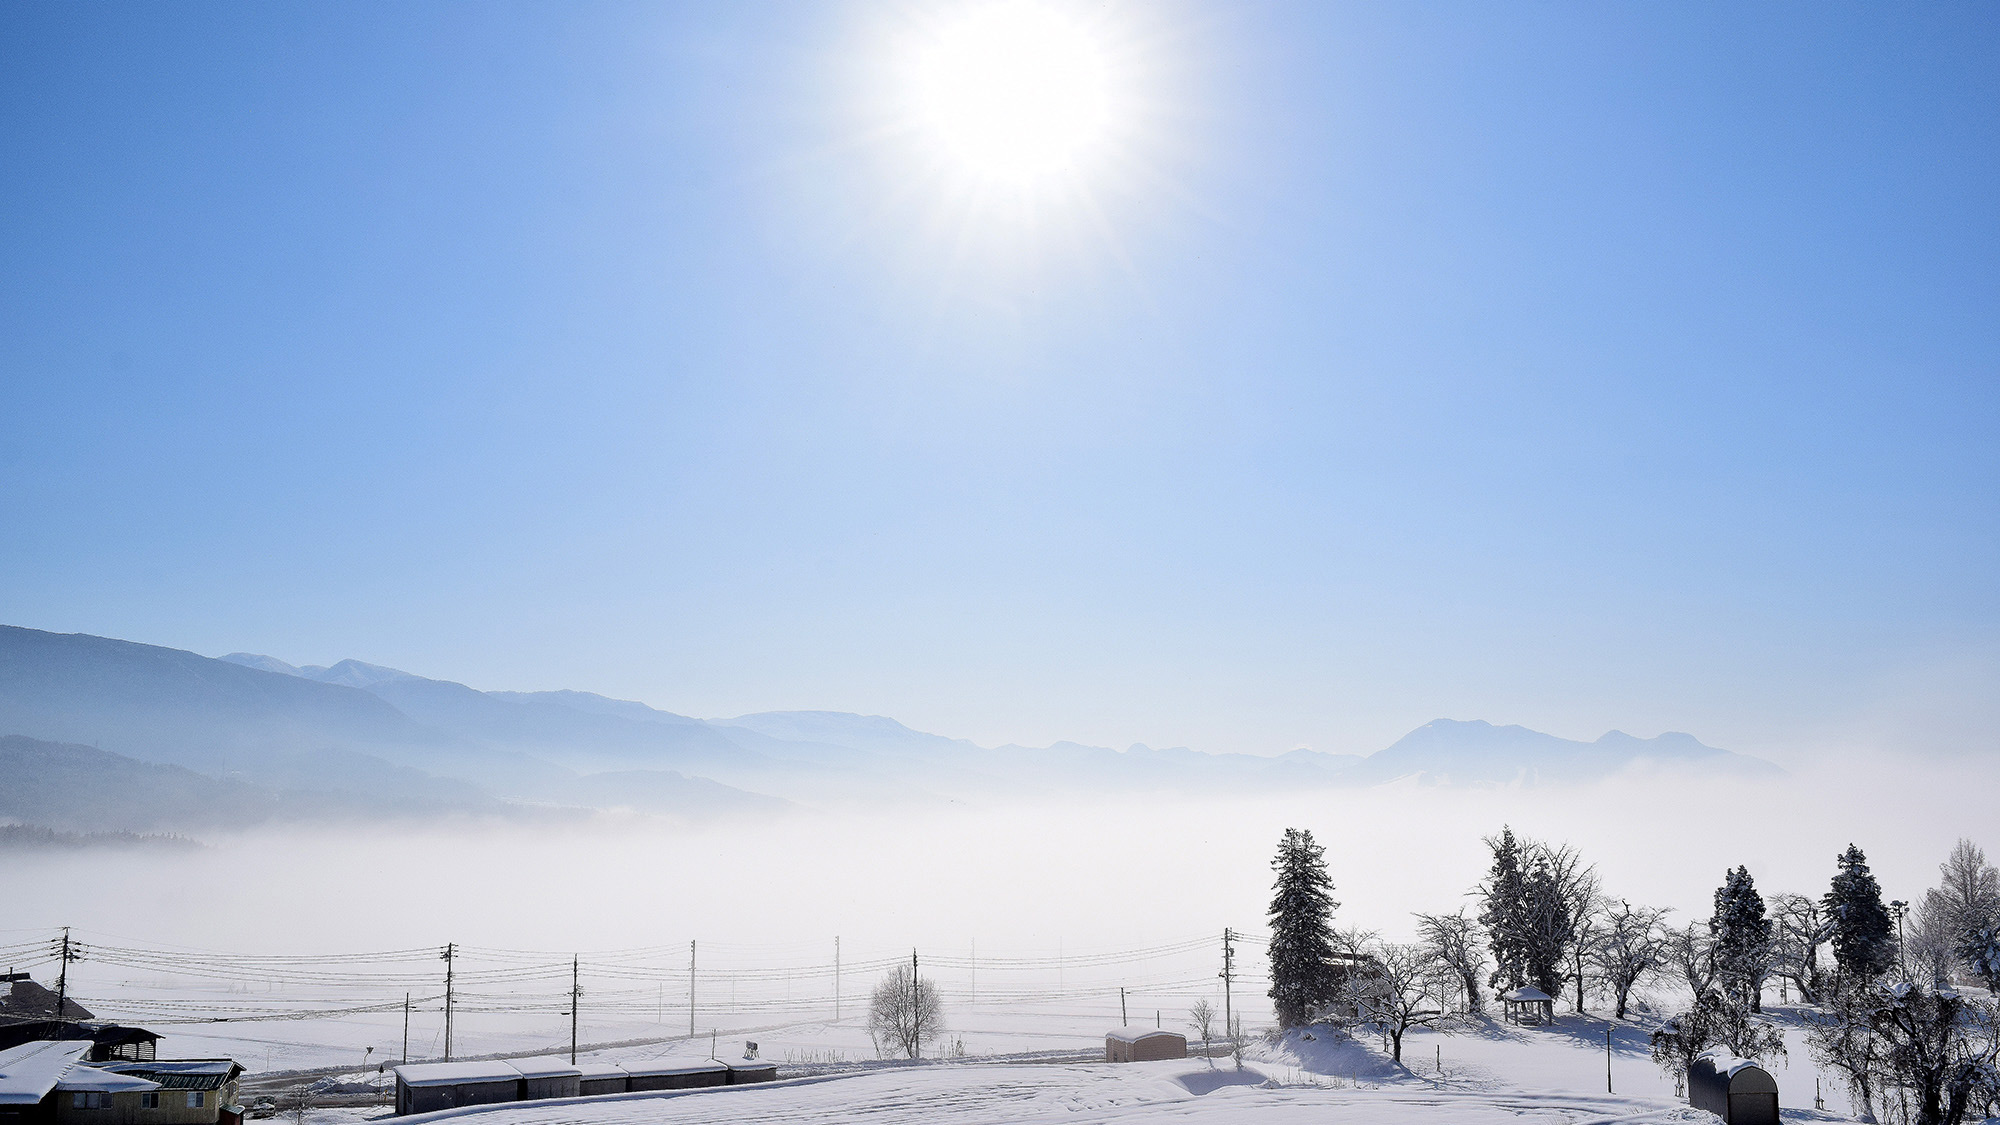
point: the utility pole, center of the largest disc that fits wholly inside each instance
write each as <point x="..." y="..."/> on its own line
<point x="1122" y="1021"/>
<point x="68" y="952"/>
<point x="836" y="978"/>
<point x="450" y="954"/>
<point x="1607" y="1056"/>
<point x="916" y="1009"/>
<point x="575" y="995"/>
<point x="690" y="988"/>
<point x="406" y="1027"/>
<point x="1228" y="975"/>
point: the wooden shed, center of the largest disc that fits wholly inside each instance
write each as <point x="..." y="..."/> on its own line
<point x="675" y="1074"/>
<point x="745" y="1071"/>
<point x="1529" y="1005"/>
<point x="1736" y="1090"/>
<point x="423" y="1087"/>
<point x="1143" y="1044"/>
<point x="601" y="1078"/>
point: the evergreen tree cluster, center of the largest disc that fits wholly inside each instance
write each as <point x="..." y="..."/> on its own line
<point x="1864" y="943"/>
<point x="1303" y="976"/>
<point x="1527" y="912"/>
<point x="1740" y="939"/>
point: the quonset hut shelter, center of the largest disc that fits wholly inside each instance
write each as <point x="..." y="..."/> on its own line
<point x="1136" y="1044"/>
<point x="1736" y="1090"/>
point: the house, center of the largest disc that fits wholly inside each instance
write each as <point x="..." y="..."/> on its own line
<point x="1736" y="1090"/>
<point x="1143" y="1044"/>
<point x="1529" y="1005"/>
<point x="24" y="999"/>
<point x="49" y="1082"/>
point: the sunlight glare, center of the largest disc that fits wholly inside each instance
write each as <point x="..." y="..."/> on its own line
<point x="1015" y="91"/>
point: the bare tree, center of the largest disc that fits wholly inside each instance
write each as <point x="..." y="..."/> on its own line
<point x="299" y="1101"/>
<point x="1689" y="952"/>
<point x="1201" y="1017"/>
<point x="1453" y="940"/>
<point x="1801" y="928"/>
<point x="905" y="1013"/>
<point x="1579" y="891"/>
<point x="1629" y="946"/>
<point x="1406" y="994"/>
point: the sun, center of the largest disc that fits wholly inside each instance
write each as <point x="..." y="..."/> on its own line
<point x="1014" y="91"/>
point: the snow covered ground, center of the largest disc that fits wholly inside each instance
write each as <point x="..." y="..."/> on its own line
<point x="1487" y="1073"/>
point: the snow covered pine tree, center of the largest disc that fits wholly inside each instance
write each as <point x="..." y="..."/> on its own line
<point x="1740" y="933"/>
<point x="1301" y="949"/>
<point x="1863" y="947"/>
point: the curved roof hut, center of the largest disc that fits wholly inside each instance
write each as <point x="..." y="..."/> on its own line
<point x="1736" y="1090"/>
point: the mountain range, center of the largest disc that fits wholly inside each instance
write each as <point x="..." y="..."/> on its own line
<point x="97" y="723"/>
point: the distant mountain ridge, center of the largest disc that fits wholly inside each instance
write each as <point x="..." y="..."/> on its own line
<point x="352" y="734"/>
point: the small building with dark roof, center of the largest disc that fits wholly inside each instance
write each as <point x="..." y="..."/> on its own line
<point x="1737" y="1090"/>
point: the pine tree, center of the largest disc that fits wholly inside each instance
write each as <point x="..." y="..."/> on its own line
<point x="1862" y="945"/>
<point x="1301" y="949"/>
<point x="1503" y="911"/>
<point x="1741" y="933"/>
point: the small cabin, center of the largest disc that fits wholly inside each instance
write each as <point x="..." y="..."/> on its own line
<point x="1147" y="1044"/>
<point x="675" y="1074"/>
<point x="1736" y="1090"/>
<point x="1529" y="1006"/>
<point x="601" y="1078"/>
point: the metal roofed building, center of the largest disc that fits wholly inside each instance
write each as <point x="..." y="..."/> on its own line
<point x="422" y="1087"/>
<point x="546" y="1076"/>
<point x="1736" y="1090"/>
<point x="601" y="1078"/>
<point x="676" y="1074"/>
<point x="1143" y="1044"/>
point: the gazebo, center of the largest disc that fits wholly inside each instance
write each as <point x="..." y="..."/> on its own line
<point x="1529" y="1005"/>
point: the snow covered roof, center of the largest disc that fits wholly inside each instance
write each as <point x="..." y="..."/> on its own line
<point x="28" y="1072"/>
<point x="592" y="1070"/>
<point x="1528" y="994"/>
<point x="673" y="1066"/>
<point x="102" y="1081"/>
<point x="544" y="1066"/>
<point x="452" y="1073"/>
<point x="740" y="1063"/>
<point x="1134" y="1034"/>
<point x="1726" y="1066"/>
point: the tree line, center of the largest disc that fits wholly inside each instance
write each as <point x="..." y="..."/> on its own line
<point x="1879" y="984"/>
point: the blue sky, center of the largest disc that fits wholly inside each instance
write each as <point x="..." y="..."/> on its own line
<point x="1577" y="366"/>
